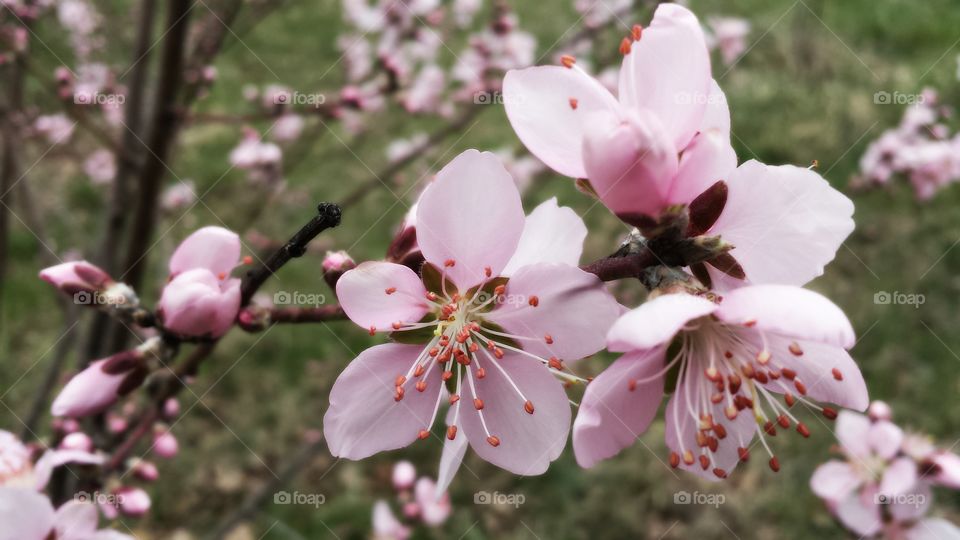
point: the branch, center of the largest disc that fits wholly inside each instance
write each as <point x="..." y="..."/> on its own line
<point x="622" y="267"/>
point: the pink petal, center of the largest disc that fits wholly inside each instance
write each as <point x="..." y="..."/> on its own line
<point x="552" y="234"/>
<point x="630" y="161"/>
<point x="717" y="114"/>
<point x="51" y="459"/>
<point x="363" y="295"/>
<point x="75" y="273"/>
<point x="214" y="248"/>
<point x="363" y="417"/>
<point x="471" y="216"/>
<point x="708" y="159"/>
<point x="815" y="370"/>
<point x="949" y="469"/>
<point x="852" y="431"/>
<point x="933" y="529"/>
<point x="913" y="504"/>
<point x="537" y="101"/>
<point x="88" y="392"/>
<point x="834" y="481"/>
<point x="656" y="321"/>
<point x="450" y="460"/>
<point x="528" y="442"/>
<point x="668" y="72"/>
<point x="76" y="520"/>
<point x="228" y="305"/>
<point x="860" y="513"/>
<point x="613" y="413"/>
<point x="572" y="307"/>
<point x="434" y="504"/>
<point x="900" y="477"/>
<point x="196" y="303"/>
<point x="785" y="222"/>
<point x="885" y="439"/>
<point x="789" y="312"/>
<point x="386" y="525"/>
<point x="25" y="514"/>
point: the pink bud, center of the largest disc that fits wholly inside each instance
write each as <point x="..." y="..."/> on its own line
<point x="88" y="392"/>
<point x="171" y="408"/>
<point x="197" y="303"/>
<point x="134" y="502"/>
<point x="77" y="441"/>
<point x="146" y="470"/>
<point x="116" y="423"/>
<point x="404" y="475"/>
<point x="76" y="276"/>
<point x="411" y="510"/>
<point x="879" y="410"/>
<point x="165" y="444"/>
<point x="338" y="260"/>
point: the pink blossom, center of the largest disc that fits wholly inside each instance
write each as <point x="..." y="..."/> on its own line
<point x="57" y="128"/>
<point x="252" y="152"/>
<point x="77" y="441"/>
<point x="146" y="470"/>
<point x="426" y="90"/>
<point x="99" y="385"/>
<point x="27" y="515"/>
<point x="287" y="128"/>
<point x="165" y="444"/>
<point x="404" y="475"/>
<point x="729" y="36"/>
<point x="134" y="502"/>
<point x="202" y="299"/>
<point x="434" y="505"/>
<point x="18" y="470"/>
<point x="732" y="355"/>
<point x="178" y="195"/>
<point x="100" y="166"/>
<point x="72" y="277"/>
<point x="499" y="311"/>
<point x="386" y="526"/>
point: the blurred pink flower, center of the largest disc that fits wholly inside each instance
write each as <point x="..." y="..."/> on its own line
<point x="201" y="300"/>
<point x="505" y="304"/>
<point x="27" y="515"/>
<point x="100" y="167"/>
<point x="17" y="469"/>
<point x="178" y="195"/>
<point x="386" y="526"/>
<point x="165" y="444"/>
<point x="287" y="128"/>
<point x="404" y="475"/>
<point x="102" y="383"/>
<point x="134" y="502"/>
<point x="732" y="356"/>
<point x="729" y="36"/>
<point x="57" y="128"/>
<point x="434" y="505"/>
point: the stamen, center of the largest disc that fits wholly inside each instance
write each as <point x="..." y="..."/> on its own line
<point x="573" y="103"/>
<point x="568" y="61"/>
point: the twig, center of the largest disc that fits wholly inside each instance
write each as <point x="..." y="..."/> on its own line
<point x="629" y="266"/>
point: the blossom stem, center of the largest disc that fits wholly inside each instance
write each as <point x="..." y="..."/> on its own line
<point x="622" y="267"/>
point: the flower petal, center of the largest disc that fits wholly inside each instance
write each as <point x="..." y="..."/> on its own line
<point x="552" y="234"/>
<point x="708" y="159"/>
<point x="364" y="418"/>
<point x="788" y="311"/>
<point x="76" y="520"/>
<point x="450" y="460"/>
<point x="214" y="248"/>
<point x="51" y="459"/>
<point x="668" y="72"/>
<point x="834" y="480"/>
<point x="537" y="101"/>
<point x="528" y="442"/>
<point x="471" y="215"/>
<point x="196" y="303"/>
<point x="852" y="431"/>
<point x="564" y="302"/>
<point x="885" y="439"/>
<point x="362" y="293"/>
<point x="933" y="529"/>
<point x="860" y="513"/>
<point x="717" y="114"/>
<point x="88" y="392"/>
<point x="25" y="514"/>
<point x="386" y="525"/>
<point x="899" y="477"/>
<point x="656" y="321"/>
<point x="614" y="412"/>
<point x="913" y="504"/>
<point x="786" y="223"/>
<point x="948" y="473"/>
<point x="815" y="369"/>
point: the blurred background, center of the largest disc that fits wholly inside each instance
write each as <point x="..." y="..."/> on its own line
<point x="809" y="85"/>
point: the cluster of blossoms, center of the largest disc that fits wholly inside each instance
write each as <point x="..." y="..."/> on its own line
<point x="882" y="488"/>
<point x="921" y="149"/>
<point x="420" y="503"/>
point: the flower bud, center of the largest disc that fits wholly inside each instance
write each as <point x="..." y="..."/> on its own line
<point x="879" y="410"/>
<point x="335" y="264"/>
<point x="404" y="475"/>
<point x="165" y="444"/>
<point x="145" y="470"/>
<point x="77" y="441"/>
<point x="134" y="502"/>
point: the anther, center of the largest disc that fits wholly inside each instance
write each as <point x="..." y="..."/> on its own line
<point x="498" y="352"/>
<point x="555" y="363"/>
<point x="499" y="290"/>
<point x="487" y="271"/>
<point x="625" y="46"/>
<point x="763" y="357"/>
<point x="720" y="473"/>
<point x="400" y="380"/>
<point x="789" y="373"/>
<point x="636" y="32"/>
<point x="421" y="386"/>
<point x="494" y="441"/>
<point x="452" y="432"/>
<point x="423" y="434"/>
<point x="802" y="388"/>
<point x="454" y="398"/>
<point x="704" y="462"/>
<point x="744" y="454"/>
<point x="573" y="103"/>
<point x="477" y="404"/>
<point x="731" y="412"/>
<point x="390" y="290"/>
<point x="632" y="385"/>
<point x="373" y="330"/>
<point x="837" y="375"/>
<point x="783" y="421"/>
<point x="795" y="349"/>
<point x="481" y="373"/>
<point x="775" y="464"/>
<point x="674" y="460"/>
<point x="534" y="301"/>
<point x="712" y="374"/>
<point x="222" y="275"/>
<point x="788" y="397"/>
<point x="829" y="413"/>
<point x="568" y="61"/>
<point x="720" y="431"/>
<point x="803" y="429"/>
<point x="688" y="457"/>
<point x="449" y="263"/>
<point x="769" y="429"/>
<point x="247" y="259"/>
<point x="528" y="406"/>
<point x="548" y="338"/>
<point x="447" y="375"/>
<point x="397" y="325"/>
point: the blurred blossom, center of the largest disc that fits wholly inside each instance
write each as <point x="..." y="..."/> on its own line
<point x="426" y="90"/>
<point x="386" y="526"/>
<point x="77" y="441"/>
<point x="134" y="502"/>
<point x="18" y="470"/>
<point x="253" y="152"/>
<point x="276" y="95"/>
<point x="171" y="408"/>
<point x="404" y="475"/>
<point x="465" y="10"/>
<point x="357" y="56"/>
<point x="434" y="507"/>
<point x="729" y="35"/>
<point x="57" y="128"/>
<point x="100" y="166"/>
<point x="28" y="515"/>
<point x="165" y="444"/>
<point x="599" y="12"/>
<point x="402" y="148"/>
<point x="178" y="195"/>
<point x="287" y="127"/>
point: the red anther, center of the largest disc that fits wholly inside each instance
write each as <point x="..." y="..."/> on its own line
<point x="477" y="404"/>
<point x="720" y="473"/>
<point x="247" y="259"/>
<point x="498" y="353"/>
<point x="398" y="395"/>
<point x="555" y="363"/>
<point x="499" y="290"/>
<point x="431" y="296"/>
<point x="454" y="398"/>
<point x="713" y="443"/>
<point x="455" y="298"/>
<point x="775" y="464"/>
<point x="704" y="462"/>
<point x="674" y="460"/>
<point x="494" y="441"/>
<point x="802" y="388"/>
<point x="475" y="326"/>
<point x="716" y="398"/>
<point x="568" y="61"/>
<point x="837" y="375"/>
<point x="761" y="377"/>
<point x="727" y="354"/>
<point x="423" y="434"/>
<point x="421" y="386"/>
<point x="744" y="454"/>
<point x="748" y="402"/>
<point x="462" y="337"/>
<point x="487" y="271"/>
<point x="731" y="412"/>
<point x="390" y="290"/>
<point x="400" y="380"/>
<point x="528" y="406"/>
<point x="534" y="301"/>
<point x="491" y="346"/>
<point x="738" y="402"/>
<point x="474" y="347"/>
<point x="449" y="263"/>
<point x="701" y="439"/>
<point x="373" y="330"/>
<point x="481" y="373"/>
<point x="789" y="373"/>
<point x="748" y="371"/>
<point x="795" y="349"/>
<point x="452" y="432"/>
<point x="573" y="103"/>
<point x="750" y="323"/>
<point x="803" y="429"/>
<point x="548" y="338"/>
<point x="418" y="371"/>
<point x="433" y="351"/>
<point x="712" y="374"/>
<point x="783" y="421"/>
<point x="769" y="429"/>
<point x="445" y="357"/>
<point x="397" y="325"/>
<point x="688" y="457"/>
<point x="636" y="32"/>
<point x="720" y="431"/>
<point x="734" y="383"/>
<point x="625" y="46"/>
<point x="829" y="414"/>
<point x="788" y="397"/>
<point x="632" y="385"/>
<point x="222" y="275"/>
<point x="447" y="375"/>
